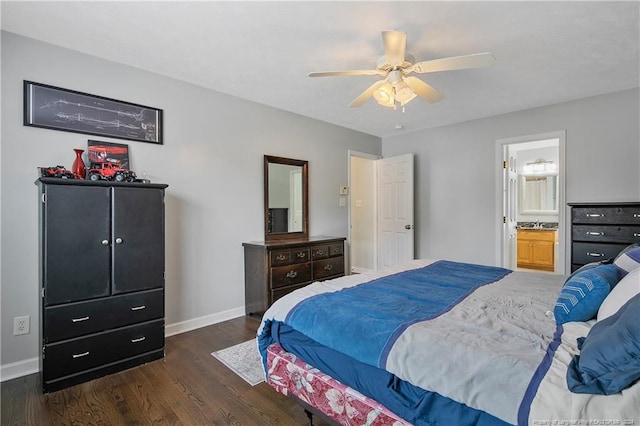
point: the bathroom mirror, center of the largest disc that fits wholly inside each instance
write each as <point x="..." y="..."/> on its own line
<point x="286" y="198"/>
<point x="539" y="194"/>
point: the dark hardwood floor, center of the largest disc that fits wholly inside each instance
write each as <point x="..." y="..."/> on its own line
<point x="187" y="387"/>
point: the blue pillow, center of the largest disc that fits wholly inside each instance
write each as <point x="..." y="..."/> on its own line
<point x="627" y="260"/>
<point x="609" y="359"/>
<point x="583" y="293"/>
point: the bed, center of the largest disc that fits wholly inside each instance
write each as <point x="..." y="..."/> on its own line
<point x="441" y="342"/>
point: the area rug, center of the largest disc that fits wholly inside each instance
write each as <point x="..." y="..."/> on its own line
<point x="244" y="360"/>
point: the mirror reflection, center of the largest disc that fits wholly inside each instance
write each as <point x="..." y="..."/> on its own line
<point x="539" y="194"/>
<point x="286" y="198"/>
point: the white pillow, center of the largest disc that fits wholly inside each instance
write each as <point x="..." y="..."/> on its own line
<point x="626" y="288"/>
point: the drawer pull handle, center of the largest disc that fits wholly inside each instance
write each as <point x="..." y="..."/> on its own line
<point x="595" y="214"/>
<point x="328" y="267"/>
<point x="138" y="308"/>
<point x="636" y="234"/>
<point x="595" y="254"/>
<point x="636" y="215"/>
<point x="139" y="339"/>
<point x="79" y="319"/>
<point x="80" y="355"/>
<point x="292" y="274"/>
<point x="594" y="233"/>
<point x="281" y="257"/>
<point x="105" y="242"/>
<point x="302" y="255"/>
<point x="320" y="252"/>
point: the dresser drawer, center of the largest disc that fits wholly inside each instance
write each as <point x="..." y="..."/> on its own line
<point x="280" y="257"/>
<point x="582" y="253"/>
<point x="328" y="267"/>
<point x="606" y="233"/>
<point x="290" y="274"/>
<point x="624" y="215"/>
<point x="336" y="249"/>
<point x="319" y="252"/>
<point x="77" y="319"/>
<point x="283" y="291"/>
<point x="76" y="355"/>
<point x="287" y="257"/>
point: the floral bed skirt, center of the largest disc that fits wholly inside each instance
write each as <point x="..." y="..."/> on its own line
<point x="290" y="375"/>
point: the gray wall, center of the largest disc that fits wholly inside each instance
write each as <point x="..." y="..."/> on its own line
<point x="212" y="159"/>
<point x="455" y="182"/>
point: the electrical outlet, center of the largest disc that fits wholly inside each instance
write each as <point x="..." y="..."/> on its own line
<point x="21" y="325"/>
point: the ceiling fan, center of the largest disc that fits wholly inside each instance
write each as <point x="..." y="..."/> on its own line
<point x="398" y="87"/>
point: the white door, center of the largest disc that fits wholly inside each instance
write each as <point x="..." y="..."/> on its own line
<point x="510" y="212"/>
<point x="395" y="210"/>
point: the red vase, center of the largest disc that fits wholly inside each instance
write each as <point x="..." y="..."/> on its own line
<point x="78" y="165"/>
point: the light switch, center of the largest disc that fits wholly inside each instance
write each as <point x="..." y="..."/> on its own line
<point x="358" y="203"/>
<point x="342" y="202"/>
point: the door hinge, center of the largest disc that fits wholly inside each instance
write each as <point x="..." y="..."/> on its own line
<point x="504" y="219"/>
<point x="42" y="293"/>
<point x="505" y="164"/>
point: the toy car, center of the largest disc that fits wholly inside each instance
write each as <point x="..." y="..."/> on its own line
<point x="110" y="171"/>
<point x="56" y="172"/>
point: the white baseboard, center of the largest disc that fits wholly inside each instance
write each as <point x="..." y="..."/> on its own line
<point x="359" y="270"/>
<point x="18" y="369"/>
<point x="192" y="324"/>
<point x="29" y="366"/>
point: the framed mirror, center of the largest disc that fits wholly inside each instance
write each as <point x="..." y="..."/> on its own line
<point x="286" y="199"/>
<point x="539" y="194"/>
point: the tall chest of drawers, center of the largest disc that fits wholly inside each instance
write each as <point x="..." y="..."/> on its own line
<point x="102" y="278"/>
<point x="275" y="268"/>
<point x="599" y="231"/>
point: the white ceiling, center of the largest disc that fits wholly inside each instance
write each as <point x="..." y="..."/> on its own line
<point x="546" y="52"/>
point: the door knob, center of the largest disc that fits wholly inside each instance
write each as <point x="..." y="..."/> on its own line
<point x="118" y="240"/>
<point x="408" y="227"/>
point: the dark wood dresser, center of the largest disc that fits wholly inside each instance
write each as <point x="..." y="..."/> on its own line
<point x="102" y="278"/>
<point x="273" y="269"/>
<point x="599" y="231"/>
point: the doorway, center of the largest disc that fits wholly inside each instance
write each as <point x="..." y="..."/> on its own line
<point x="531" y="197"/>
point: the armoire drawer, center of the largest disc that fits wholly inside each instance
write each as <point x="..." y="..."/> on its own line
<point x="328" y="267"/>
<point x="583" y="253"/>
<point x="78" y="319"/>
<point x="290" y="274"/>
<point x="77" y="355"/>
<point x="606" y="233"/>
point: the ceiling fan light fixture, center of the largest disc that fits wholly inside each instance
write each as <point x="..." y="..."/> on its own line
<point x="384" y="95"/>
<point x="403" y="93"/>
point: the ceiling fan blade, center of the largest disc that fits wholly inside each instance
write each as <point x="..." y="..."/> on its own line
<point x="423" y="90"/>
<point x="352" y="72"/>
<point x="366" y="94"/>
<point x="395" y="43"/>
<point x="477" y="60"/>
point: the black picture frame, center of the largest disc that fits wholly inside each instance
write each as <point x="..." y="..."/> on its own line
<point x="56" y="108"/>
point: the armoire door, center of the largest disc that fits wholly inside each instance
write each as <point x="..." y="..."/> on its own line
<point x="77" y="240"/>
<point x="138" y="239"/>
